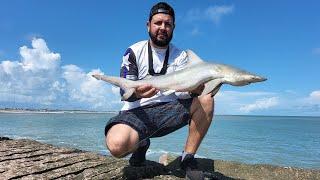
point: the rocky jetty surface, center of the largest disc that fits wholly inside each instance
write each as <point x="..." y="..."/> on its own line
<point x="29" y="159"/>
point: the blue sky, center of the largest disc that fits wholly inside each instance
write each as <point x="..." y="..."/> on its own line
<point x="49" y="49"/>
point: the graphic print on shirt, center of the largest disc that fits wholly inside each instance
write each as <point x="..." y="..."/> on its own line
<point x="129" y="69"/>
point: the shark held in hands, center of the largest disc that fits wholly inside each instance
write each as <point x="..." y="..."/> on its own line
<point x="195" y="73"/>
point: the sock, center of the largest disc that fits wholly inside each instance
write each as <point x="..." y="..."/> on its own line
<point x="184" y="154"/>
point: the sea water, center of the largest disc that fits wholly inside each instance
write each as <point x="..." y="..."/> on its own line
<point x="277" y="140"/>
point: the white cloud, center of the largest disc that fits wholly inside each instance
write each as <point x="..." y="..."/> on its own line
<point x="288" y="102"/>
<point x="246" y="94"/>
<point x="115" y="90"/>
<point x="9" y="67"/>
<point x="212" y="13"/>
<point x="38" y="79"/>
<point x="194" y="15"/>
<point x="83" y="88"/>
<point x="311" y="100"/>
<point x="38" y="57"/>
<point x="299" y="104"/>
<point x="315" y="96"/>
<point x="26" y="79"/>
<point x="235" y="102"/>
<point x="260" y="104"/>
<point x="215" y="13"/>
<point x="236" y="95"/>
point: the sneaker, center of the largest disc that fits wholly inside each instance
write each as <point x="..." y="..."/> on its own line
<point x="190" y="166"/>
<point x="138" y="158"/>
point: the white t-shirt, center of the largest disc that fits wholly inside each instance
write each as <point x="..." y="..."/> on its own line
<point x="135" y="66"/>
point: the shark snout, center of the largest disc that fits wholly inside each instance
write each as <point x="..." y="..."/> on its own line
<point x="259" y="78"/>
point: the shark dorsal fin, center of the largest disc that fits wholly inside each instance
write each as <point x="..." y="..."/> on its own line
<point x="193" y="58"/>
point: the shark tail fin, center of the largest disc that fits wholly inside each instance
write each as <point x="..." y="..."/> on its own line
<point x="124" y="84"/>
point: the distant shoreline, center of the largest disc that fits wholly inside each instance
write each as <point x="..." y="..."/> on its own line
<point x="47" y="111"/>
<point x="58" y="111"/>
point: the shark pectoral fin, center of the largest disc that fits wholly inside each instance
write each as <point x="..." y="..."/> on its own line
<point x="216" y="89"/>
<point x="128" y="93"/>
<point x="168" y="92"/>
<point x="211" y="86"/>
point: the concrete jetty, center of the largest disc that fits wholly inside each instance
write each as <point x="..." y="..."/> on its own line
<point x="29" y="159"/>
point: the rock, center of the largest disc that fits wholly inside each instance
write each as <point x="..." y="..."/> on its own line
<point x="163" y="159"/>
<point x="28" y="159"/>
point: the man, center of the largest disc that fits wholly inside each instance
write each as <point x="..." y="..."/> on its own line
<point x="148" y="113"/>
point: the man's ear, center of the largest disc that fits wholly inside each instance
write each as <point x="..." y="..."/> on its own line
<point x="148" y="26"/>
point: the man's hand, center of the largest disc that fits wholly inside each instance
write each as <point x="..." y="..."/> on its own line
<point x="145" y="91"/>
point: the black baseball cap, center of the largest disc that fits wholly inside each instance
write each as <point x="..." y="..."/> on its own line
<point x="161" y="7"/>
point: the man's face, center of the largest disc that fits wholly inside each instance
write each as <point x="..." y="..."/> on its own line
<point x="160" y="29"/>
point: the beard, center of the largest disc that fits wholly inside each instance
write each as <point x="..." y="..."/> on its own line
<point x="161" y="43"/>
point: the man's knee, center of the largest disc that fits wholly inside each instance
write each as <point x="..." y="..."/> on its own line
<point x="120" y="139"/>
<point x="117" y="146"/>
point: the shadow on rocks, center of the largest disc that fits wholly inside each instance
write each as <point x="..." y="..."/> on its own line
<point x="4" y="138"/>
<point x="151" y="170"/>
<point x="172" y="170"/>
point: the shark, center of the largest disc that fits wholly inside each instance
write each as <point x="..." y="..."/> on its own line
<point x="195" y="73"/>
